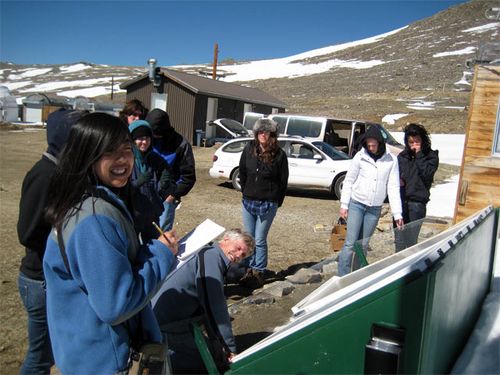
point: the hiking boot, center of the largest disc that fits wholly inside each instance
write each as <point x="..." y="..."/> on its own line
<point x="252" y="279"/>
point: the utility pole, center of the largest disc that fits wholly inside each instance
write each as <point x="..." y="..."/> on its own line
<point x="214" y="69"/>
<point x="112" y="86"/>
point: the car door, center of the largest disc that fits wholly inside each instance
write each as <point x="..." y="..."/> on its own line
<point x="308" y="166"/>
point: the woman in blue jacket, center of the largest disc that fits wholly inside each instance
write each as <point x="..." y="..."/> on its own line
<point x="99" y="279"/>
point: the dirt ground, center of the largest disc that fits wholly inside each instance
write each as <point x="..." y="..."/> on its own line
<point x="293" y="243"/>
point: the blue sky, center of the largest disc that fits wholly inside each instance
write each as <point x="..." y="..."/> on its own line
<point x="184" y="32"/>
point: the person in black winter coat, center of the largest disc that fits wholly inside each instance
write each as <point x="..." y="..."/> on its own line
<point x="33" y="230"/>
<point x="263" y="173"/>
<point x="177" y="151"/>
<point x="417" y="165"/>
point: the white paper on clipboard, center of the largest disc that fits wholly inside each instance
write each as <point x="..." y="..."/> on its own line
<point x="197" y="238"/>
<point x="190" y="244"/>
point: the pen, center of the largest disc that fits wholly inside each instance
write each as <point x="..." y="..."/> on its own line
<point x="158" y="228"/>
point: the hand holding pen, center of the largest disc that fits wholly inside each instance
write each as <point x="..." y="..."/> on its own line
<point x="168" y="238"/>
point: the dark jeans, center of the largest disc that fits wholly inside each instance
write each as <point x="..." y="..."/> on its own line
<point x="39" y="357"/>
<point x="413" y="212"/>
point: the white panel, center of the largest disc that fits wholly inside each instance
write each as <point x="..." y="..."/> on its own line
<point x="159" y="101"/>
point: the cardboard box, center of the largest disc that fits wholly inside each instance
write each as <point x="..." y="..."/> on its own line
<point x="337" y="237"/>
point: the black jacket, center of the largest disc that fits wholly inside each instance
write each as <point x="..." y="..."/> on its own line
<point x="178" y="153"/>
<point x="32" y="228"/>
<point x="263" y="182"/>
<point x="417" y="172"/>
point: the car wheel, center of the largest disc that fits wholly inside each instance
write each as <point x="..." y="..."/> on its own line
<point x="236" y="179"/>
<point x="337" y="185"/>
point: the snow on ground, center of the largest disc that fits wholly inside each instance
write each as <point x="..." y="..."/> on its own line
<point x="56" y="85"/>
<point x="287" y="67"/>
<point x="74" y="68"/>
<point x="29" y="73"/>
<point x="443" y="196"/>
<point x="483" y="28"/>
<point x="391" y="119"/>
<point x="16" y="85"/>
<point x="464" y="51"/>
<point x="91" y="92"/>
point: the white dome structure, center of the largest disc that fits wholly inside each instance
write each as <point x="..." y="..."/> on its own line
<point x="8" y="105"/>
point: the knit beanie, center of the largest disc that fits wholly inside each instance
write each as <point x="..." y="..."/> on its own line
<point x="140" y="128"/>
<point x="59" y="124"/>
<point x="159" y="121"/>
<point x="265" y="125"/>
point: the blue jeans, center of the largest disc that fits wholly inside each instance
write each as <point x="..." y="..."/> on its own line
<point x="39" y="357"/>
<point x="413" y="212"/>
<point x="361" y="223"/>
<point x="258" y="226"/>
<point x="168" y="215"/>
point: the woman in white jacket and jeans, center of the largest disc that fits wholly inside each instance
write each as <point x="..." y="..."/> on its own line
<point x="372" y="176"/>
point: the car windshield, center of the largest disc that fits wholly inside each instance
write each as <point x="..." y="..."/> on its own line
<point x="234" y="126"/>
<point x="389" y="139"/>
<point x="330" y="150"/>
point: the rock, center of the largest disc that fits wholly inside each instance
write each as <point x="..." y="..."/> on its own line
<point x="305" y="276"/>
<point x="233" y="310"/>
<point x="279" y="288"/>
<point x="260" y="298"/>
<point x="319" y="266"/>
<point x="330" y="269"/>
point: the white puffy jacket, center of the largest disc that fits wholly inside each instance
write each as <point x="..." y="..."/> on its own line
<point x="369" y="182"/>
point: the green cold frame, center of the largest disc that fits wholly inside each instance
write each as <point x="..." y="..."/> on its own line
<point x="432" y="309"/>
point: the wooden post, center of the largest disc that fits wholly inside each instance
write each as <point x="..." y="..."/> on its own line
<point x="214" y="69"/>
<point x="112" y="86"/>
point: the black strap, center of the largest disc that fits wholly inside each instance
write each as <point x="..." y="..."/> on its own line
<point x="62" y="248"/>
<point x="213" y="327"/>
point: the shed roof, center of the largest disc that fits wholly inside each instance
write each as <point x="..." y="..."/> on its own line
<point x="206" y="86"/>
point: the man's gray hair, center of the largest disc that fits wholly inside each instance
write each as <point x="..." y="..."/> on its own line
<point x="238" y="234"/>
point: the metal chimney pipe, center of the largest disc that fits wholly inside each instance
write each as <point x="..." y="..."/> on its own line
<point x="152" y="69"/>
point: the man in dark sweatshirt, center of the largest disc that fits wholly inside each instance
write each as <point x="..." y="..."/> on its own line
<point x="177" y="151"/>
<point x="33" y="230"/>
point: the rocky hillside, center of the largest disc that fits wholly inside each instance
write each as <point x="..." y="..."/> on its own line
<point x="423" y="74"/>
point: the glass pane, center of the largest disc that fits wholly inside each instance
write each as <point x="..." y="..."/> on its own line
<point x="235" y="146"/>
<point x="387" y="240"/>
<point x="304" y="127"/>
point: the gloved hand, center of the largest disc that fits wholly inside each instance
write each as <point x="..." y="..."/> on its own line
<point x="167" y="183"/>
<point x="143" y="178"/>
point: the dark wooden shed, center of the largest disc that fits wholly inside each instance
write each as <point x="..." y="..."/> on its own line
<point x="192" y="100"/>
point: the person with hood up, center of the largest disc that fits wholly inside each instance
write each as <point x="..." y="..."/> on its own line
<point x="33" y="230"/>
<point x="417" y="165"/>
<point x="372" y="176"/>
<point x="177" y="152"/>
<point x="152" y="176"/>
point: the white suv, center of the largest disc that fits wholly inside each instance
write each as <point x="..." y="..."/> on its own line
<point x="311" y="164"/>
